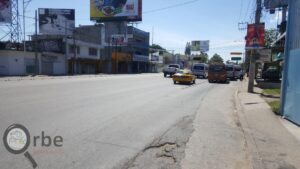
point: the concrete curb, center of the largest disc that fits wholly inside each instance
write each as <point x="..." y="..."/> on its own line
<point x="251" y="147"/>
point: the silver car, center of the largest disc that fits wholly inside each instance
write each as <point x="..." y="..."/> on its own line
<point x="200" y="70"/>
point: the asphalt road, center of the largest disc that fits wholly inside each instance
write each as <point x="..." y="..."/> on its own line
<point x="104" y="121"/>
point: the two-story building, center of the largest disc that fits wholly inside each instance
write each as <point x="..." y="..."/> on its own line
<point x="127" y="49"/>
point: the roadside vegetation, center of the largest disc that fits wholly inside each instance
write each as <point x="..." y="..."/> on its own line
<point x="275" y="106"/>
<point x="272" y="96"/>
<point x="272" y="92"/>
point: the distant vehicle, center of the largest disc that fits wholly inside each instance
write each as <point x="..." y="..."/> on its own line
<point x="238" y="72"/>
<point x="272" y="74"/>
<point x="171" y="70"/>
<point x="230" y="71"/>
<point x="217" y="73"/>
<point x="200" y="70"/>
<point x="184" y="76"/>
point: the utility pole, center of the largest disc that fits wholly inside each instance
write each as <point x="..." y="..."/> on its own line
<point x="152" y="35"/>
<point x="24" y="29"/>
<point x="74" y="69"/>
<point x="252" y="57"/>
<point x="36" y="46"/>
<point x="25" y="5"/>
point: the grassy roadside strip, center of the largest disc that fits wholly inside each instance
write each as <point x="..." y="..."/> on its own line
<point x="272" y="92"/>
<point x="275" y="106"/>
<point x="272" y="96"/>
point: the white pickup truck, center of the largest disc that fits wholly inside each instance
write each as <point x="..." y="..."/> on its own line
<point x="171" y="70"/>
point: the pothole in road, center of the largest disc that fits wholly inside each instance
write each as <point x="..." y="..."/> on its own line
<point x="165" y="152"/>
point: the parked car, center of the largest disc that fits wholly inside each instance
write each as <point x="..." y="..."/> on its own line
<point x="184" y="76"/>
<point x="171" y="70"/>
<point x="217" y="73"/>
<point x="230" y="71"/>
<point x="272" y="74"/>
<point x="200" y="70"/>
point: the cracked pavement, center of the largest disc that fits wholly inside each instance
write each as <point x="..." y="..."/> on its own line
<point x="137" y="122"/>
<point x="104" y="121"/>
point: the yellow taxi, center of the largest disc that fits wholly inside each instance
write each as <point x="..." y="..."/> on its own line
<point x="184" y="76"/>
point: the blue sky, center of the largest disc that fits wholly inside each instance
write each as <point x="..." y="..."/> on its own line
<point x="214" y="20"/>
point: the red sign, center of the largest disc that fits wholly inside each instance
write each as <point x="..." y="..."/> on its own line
<point x="255" y="36"/>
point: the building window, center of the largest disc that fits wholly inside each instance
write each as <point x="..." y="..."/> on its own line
<point x="71" y="49"/>
<point x="93" y="52"/>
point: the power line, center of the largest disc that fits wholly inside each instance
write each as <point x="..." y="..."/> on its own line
<point x="241" y="9"/>
<point x="171" y="6"/>
<point x="249" y="4"/>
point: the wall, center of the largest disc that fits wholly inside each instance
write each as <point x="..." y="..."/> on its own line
<point x="19" y="63"/>
<point x="12" y="63"/>
<point x="291" y="78"/>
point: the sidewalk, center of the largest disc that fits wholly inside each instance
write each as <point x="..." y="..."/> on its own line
<point x="240" y="132"/>
<point x="271" y="144"/>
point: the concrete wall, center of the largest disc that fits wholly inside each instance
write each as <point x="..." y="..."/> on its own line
<point x="12" y="63"/>
<point x="19" y="63"/>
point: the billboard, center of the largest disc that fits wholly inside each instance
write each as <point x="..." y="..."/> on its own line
<point x="265" y="55"/>
<point x="255" y="38"/>
<point x="195" y="46"/>
<point x="5" y="11"/>
<point x="273" y="4"/>
<point x="56" y="21"/>
<point x="118" y="39"/>
<point x="204" y="46"/>
<point x="116" y="10"/>
<point x="236" y="58"/>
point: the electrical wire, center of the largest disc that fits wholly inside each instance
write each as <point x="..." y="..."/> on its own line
<point x="249" y="4"/>
<point x="170" y="7"/>
<point x="241" y="9"/>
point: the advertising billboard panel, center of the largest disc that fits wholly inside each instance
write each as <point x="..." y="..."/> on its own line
<point x="56" y="21"/>
<point x="116" y="10"/>
<point x="195" y="46"/>
<point x="204" y="46"/>
<point x="236" y="58"/>
<point x="265" y="55"/>
<point x="5" y="11"/>
<point x="118" y="39"/>
<point x="255" y="36"/>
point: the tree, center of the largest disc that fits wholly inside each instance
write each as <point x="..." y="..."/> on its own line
<point x="157" y="48"/>
<point x="188" y="49"/>
<point x="270" y="37"/>
<point x="216" y="59"/>
<point x="203" y="58"/>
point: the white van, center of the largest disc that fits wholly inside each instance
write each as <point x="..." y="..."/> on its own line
<point x="200" y="70"/>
